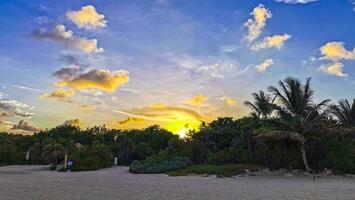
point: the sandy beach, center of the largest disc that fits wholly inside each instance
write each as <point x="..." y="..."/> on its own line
<point x="32" y="182"/>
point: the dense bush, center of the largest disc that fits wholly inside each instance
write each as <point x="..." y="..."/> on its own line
<point x="159" y="163"/>
<point x="340" y="156"/>
<point x="140" y="144"/>
<point x="96" y="157"/>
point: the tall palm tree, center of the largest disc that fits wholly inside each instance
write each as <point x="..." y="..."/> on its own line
<point x="261" y="105"/>
<point x="344" y="112"/>
<point x="300" y="116"/>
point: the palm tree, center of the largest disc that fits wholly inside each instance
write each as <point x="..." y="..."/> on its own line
<point x="344" y="112"/>
<point x="261" y="105"/>
<point x="300" y="116"/>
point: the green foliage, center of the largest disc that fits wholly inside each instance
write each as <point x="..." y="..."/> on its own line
<point x="140" y="144"/>
<point x="159" y="163"/>
<point x="340" y="156"/>
<point x="298" y="134"/>
<point x="96" y="157"/>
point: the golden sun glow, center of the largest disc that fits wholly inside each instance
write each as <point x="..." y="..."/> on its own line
<point x="178" y="120"/>
<point x="182" y="126"/>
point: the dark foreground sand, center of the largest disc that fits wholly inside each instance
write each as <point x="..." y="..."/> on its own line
<point x="21" y="182"/>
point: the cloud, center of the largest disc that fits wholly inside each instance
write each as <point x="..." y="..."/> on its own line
<point x="296" y="1"/>
<point x="173" y="118"/>
<point x="88" y="107"/>
<point x="165" y="114"/>
<point x="130" y="120"/>
<point x="60" y="94"/>
<point x="197" y="100"/>
<point x="265" y="65"/>
<point x="276" y="41"/>
<point x="256" y="25"/>
<point x="334" y="69"/>
<point x="216" y="70"/>
<point x="10" y="108"/>
<point x="25" y="126"/>
<point x="210" y="67"/>
<point x="67" y="38"/>
<point x="6" y="123"/>
<point x="99" y="79"/>
<point x="67" y="72"/>
<point x="74" y="60"/>
<point x="158" y="105"/>
<point x="336" y="51"/>
<point x="73" y="122"/>
<point x="87" y="18"/>
<point x="228" y="100"/>
<point x="21" y="87"/>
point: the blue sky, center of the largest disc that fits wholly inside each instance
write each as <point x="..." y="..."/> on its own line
<point x="170" y="62"/>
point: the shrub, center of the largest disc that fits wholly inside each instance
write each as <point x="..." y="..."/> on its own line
<point x="93" y="158"/>
<point x="159" y="163"/>
<point x="340" y="156"/>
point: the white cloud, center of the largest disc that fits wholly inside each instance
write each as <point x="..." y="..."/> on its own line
<point x="256" y="25"/>
<point x="10" y="108"/>
<point x="296" y="1"/>
<point x="67" y="38"/>
<point x="87" y="18"/>
<point x="216" y="70"/>
<point x="265" y="65"/>
<point x="276" y="41"/>
<point x="335" y="69"/>
<point x="208" y="67"/>
<point x="336" y="51"/>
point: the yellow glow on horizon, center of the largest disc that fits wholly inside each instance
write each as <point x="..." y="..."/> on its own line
<point x="183" y="125"/>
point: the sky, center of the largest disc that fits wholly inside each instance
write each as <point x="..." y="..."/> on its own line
<point x="134" y="63"/>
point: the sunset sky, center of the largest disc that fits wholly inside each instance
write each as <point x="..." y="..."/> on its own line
<point x="134" y="63"/>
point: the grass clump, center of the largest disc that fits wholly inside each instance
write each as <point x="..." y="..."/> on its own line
<point x="227" y="170"/>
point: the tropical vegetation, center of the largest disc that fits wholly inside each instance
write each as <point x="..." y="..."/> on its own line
<point x="286" y="129"/>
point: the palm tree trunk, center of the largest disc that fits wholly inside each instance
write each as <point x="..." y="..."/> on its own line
<point x="304" y="158"/>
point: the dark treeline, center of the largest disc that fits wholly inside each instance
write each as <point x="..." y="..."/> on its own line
<point x="286" y="129"/>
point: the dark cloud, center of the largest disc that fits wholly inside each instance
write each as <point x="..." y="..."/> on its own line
<point x="25" y="126"/>
<point x="67" y="72"/>
<point x="99" y="79"/>
<point x="73" y="122"/>
<point x="66" y="37"/>
<point x="59" y="94"/>
<point x="131" y="119"/>
<point x="73" y="59"/>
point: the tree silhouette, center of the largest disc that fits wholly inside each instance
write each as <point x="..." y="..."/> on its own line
<point x="344" y="112"/>
<point x="301" y="117"/>
<point x="261" y="105"/>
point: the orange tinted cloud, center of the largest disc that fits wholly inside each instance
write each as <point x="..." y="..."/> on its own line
<point x="197" y="100"/>
<point x="59" y="94"/>
<point x="104" y="80"/>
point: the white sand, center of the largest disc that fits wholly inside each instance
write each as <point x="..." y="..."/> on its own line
<point x="21" y="182"/>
